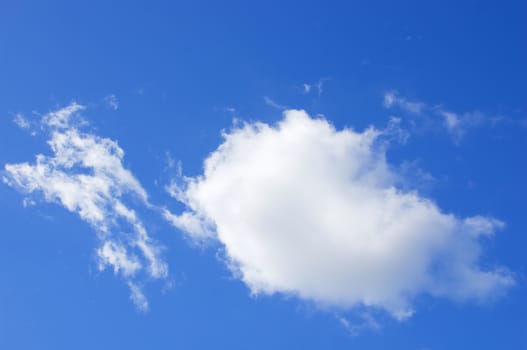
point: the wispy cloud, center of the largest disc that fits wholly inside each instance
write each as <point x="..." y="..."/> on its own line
<point x="394" y="130"/>
<point x="318" y="87"/>
<point x="363" y="322"/>
<point x="229" y="110"/>
<point x="304" y="209"/>
<point x="458" y="124"/>
<point x="455" y="124"/>
<point x="137" y="297"/>
<point x="85" y="175"/>
<point x="391" y="99"/>
<point x="26" y="124"/>
<point x="268" y="101"/>
<point x="112" y="102"/>
<point x="21" y="121"/>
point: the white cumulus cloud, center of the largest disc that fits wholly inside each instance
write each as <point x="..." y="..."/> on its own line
<point x="304" y="209"/>
<point x="85" y="174"/>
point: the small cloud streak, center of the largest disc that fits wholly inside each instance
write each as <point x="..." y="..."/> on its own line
<point x="318" y="86"/>
<point x="112" y="102"/>
<point x="21" y="121"/>
<point x="456" y="125"/>
<point x="365" y="322"/>
<point x="268" y="101"/>
<point x="391" y="99"/>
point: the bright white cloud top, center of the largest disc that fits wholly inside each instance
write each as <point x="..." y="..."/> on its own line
<point x="307" y="210"/>
<point x="85" y="174"/>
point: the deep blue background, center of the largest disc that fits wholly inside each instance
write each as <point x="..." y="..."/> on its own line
<point x="175" y="67"/>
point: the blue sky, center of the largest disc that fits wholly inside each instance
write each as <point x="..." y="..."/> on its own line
<point x="183" y="198"/>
